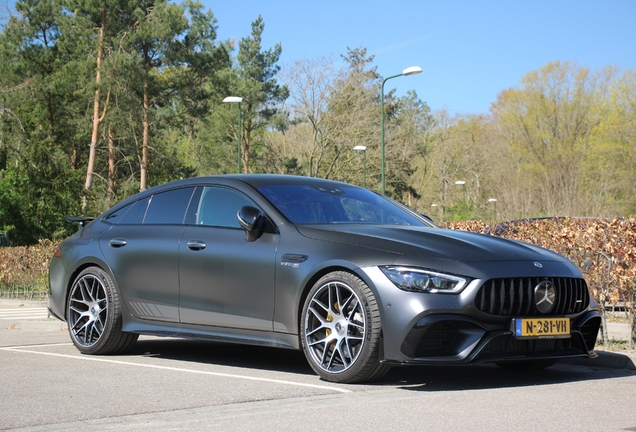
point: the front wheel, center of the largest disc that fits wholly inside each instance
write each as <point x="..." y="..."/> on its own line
<point x="340" y="329"/>
<point x="94" y="314"/>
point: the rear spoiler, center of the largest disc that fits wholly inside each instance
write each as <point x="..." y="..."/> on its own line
<point x="81" y="221"/>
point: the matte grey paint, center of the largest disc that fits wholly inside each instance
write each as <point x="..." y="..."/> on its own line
<point x="205" y="282"/>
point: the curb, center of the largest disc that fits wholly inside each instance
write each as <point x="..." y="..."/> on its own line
<point x="17" y="303"/>
<point x="50" y="324"/>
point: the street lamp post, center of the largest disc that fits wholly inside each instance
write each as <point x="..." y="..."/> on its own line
<point x="406" y="72"/>
<point x="363" y="149"/>
<point x="436" y="206"/>
<point x="494" y="202"/>
<point x="463" y="184"/>
<point x="235" y="99"/>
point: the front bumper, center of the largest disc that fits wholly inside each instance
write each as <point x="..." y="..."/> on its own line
<point x="444" y="339"/>
<point x="450" y="329"/>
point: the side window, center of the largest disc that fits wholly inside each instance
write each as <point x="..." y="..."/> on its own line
<point x="116" y="216"/>
<point x="168" y="207"/>
<point x="219" y="206"/>
<point x="132" y="214"/>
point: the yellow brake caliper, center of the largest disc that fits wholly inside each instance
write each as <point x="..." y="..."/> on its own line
<point x="330" y="319"/>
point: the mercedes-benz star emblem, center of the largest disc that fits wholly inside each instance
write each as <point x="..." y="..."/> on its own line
<point x="545" y="296"/>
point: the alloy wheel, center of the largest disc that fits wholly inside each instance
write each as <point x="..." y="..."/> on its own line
<point x="88" y="310"/>
<point x="335" y="325"/>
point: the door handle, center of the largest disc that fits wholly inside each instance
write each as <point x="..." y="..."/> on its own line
<point x="196" y="244"/>
<point x="118" y="242"/>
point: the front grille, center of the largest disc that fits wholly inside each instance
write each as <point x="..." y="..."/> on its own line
<point x="515" y="296"/>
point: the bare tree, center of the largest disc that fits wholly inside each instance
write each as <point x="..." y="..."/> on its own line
<point x="550" y="121"/>
<point x="309" y="84"/>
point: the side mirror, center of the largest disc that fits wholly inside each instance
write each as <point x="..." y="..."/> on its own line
<point x="252" y="220"/>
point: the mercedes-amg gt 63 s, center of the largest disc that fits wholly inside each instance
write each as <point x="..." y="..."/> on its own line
<point x="357" y="281"/>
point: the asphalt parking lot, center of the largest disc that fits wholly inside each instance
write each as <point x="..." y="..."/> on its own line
<point x="175" y="384"/>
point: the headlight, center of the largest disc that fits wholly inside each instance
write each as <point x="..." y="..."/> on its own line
<point x="425" y="281"/>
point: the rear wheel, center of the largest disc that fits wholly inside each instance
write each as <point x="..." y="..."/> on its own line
<point x="94" y="314"/>
<point x="527" y="364"/>
<point x="340" y="329"/>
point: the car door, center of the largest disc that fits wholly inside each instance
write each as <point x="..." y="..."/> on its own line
<point x="226" y="281"/>
<point x="142" y="250"/>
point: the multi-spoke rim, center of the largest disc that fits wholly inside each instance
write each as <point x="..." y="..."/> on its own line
<point x="335" y="325"/>
<point x="88" y="310"/>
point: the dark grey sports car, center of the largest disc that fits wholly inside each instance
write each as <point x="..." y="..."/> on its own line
<point x="357" y="281"/>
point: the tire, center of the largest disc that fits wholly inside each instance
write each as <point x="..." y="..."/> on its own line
<point x="93" y="314"/>
<point x="341" y="330"/>
<point x="527" y="365"/>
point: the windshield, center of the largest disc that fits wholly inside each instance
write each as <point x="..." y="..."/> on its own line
<point x="336" y="203"/>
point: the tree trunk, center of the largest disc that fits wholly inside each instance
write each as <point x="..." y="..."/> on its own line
<point x="632" y="333"/>
<point x="245" y="144"/>
<point x="97" y="119"/>
<point x="49" y="107"/>
<point x="145" y="139"/>
<point x="631" y="319"/>
<point x="111" y="166"/>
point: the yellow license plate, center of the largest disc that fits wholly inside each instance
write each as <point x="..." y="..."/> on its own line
<point x="542" y="327"/>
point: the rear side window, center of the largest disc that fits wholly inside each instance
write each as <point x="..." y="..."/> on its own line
<point x="116" y="216"/>
<point x="132" y="214"/>
<point x="168" y="207"/>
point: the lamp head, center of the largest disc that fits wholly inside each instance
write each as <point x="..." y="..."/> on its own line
<point x="411" y="70"/>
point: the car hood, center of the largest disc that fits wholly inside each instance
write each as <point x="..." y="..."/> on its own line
<point x="439" y="247"/>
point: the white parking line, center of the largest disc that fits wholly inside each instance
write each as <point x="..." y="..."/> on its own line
<point x="169" y="368"/>
<point x="21" y="347"/>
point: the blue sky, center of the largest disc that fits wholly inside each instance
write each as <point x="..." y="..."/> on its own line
<point x="469" y="50"/>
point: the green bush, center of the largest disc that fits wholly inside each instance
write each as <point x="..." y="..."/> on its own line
<point x="24" y="270"/>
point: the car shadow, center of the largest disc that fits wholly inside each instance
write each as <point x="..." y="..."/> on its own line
<point x="412" y="378"/>
<point x="487" y="376"/>
<point x="223" y="354"/>
<point x="609" y="359"/>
